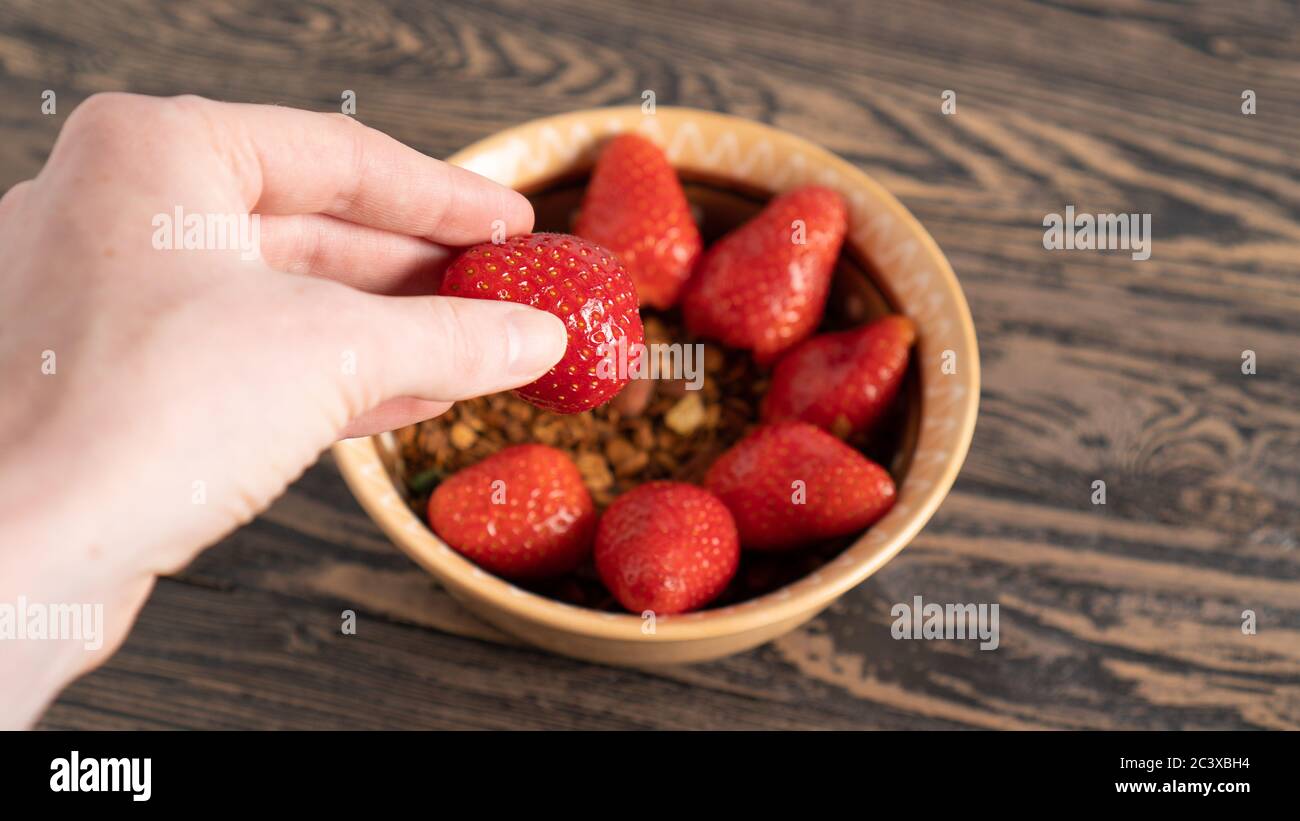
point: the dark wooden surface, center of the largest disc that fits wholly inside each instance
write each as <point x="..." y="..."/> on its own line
<point x="1095" y="366"/>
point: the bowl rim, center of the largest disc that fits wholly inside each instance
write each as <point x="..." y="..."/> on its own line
<point x="357" y="458"/>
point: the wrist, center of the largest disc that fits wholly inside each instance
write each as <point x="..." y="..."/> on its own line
<point x="66" y="599"/>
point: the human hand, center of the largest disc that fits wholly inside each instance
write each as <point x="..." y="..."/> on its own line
<point x="157" y="399"/>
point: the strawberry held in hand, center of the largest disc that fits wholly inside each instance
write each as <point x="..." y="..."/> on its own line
<point x="578" y="281"/>
<point x="763" y="286"/>
<point x="522" y="513"/>
<point x="842" y="382"/>
<point x="791" y="484"/>
<point x="667" y="547"/>
<point x="635" y="207"/>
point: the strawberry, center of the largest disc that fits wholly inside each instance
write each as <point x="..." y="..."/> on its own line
<point x="791" y="484"/>
<point x="578" y="281"/>
<point x="763" y="286"/>
<point x="635" y="207"/>
<point x="842" y="382"/>
<point x="669" y="547"/>
<point x="523" y="513"/>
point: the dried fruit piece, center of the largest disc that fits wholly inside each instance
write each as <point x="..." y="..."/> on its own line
<point x="595" y="471"/>
<point x="667" y="547"/>
<point x="686" y="415"/>
<point x="627" y="459"/>
<point x="462" y="436"/>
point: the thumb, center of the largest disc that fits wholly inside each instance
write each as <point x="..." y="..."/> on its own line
<point x="447" y="348"/>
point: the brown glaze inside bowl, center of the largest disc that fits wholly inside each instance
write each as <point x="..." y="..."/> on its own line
<point x="719" y="207"/>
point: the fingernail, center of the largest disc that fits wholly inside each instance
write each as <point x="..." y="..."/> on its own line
<point x="536" y="341"/>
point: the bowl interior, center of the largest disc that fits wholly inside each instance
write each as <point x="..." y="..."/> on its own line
<point x="718" y="209"/>
<point x="730" y="167"/>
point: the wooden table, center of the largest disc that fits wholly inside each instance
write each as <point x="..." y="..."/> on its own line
<point x="1096" y="367"/>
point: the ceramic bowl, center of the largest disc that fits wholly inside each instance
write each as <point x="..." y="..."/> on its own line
<point x="897" y="260"/>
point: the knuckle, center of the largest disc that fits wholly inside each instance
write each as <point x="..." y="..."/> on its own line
<point x="341" y="120"/>
<point x="359" y="159"/>
<point x="116" y="124"/>
<point x="14" y="194"/>
<point x="112" y="110"/>
<point x="188" y="102"/>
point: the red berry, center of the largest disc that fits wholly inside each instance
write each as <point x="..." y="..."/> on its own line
<point x="523" y="513"/>
<point x="667" y="547"/>
<point x="578" y="281"/>
<point x="635" y="207"/>
<point x="842" y="382"/>
<point x="763" y="286"/>
<point x="792" y="484"/>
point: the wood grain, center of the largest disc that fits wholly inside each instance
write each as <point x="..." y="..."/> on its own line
<point x="1095" y="366"/>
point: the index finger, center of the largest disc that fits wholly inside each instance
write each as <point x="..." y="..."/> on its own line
<point x="290" y="161"/>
